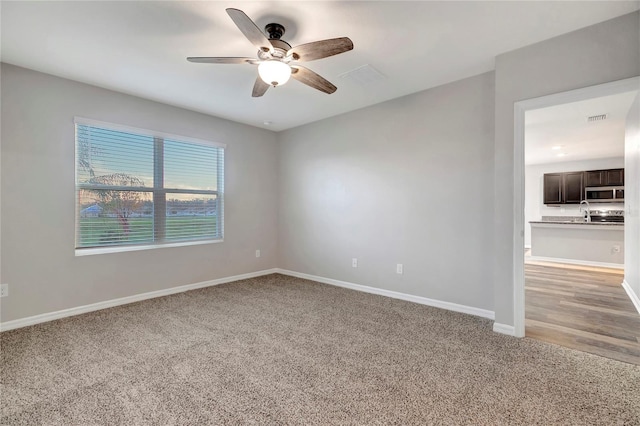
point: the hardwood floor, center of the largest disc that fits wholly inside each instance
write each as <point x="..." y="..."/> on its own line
<point x="582" y="308"/>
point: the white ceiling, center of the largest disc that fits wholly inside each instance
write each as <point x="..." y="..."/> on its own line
<point x="562" y="133"/>
<point x="140" y="47"/>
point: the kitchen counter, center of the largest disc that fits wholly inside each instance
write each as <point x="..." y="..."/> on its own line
<point x="574" y="223"/>
<point x="572" y="241"/>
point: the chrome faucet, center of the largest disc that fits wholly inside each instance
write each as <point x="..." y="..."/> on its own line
<point x="586" y="211"/>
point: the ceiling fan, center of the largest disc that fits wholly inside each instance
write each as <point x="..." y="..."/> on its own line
<point x="277" y="60"/>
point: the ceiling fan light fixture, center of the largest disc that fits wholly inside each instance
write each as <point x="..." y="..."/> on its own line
<point x="274" y="55"/>
<point x="274" y="72"/>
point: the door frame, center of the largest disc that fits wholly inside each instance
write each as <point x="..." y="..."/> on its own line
<point x="519" y="110"/>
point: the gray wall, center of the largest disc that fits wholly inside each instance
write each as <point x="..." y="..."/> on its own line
<point x="632" y="198"/>
<point x="38" y="207"/>
<point x="597" y="54"/>
<point x="407" y="181"/>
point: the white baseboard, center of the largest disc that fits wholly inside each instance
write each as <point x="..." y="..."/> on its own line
<point x="509" y="330"/>
<point x="632" y="295"/>
<point x="394" y="294"/>
<point x="37" y="319"/>
<point x="575" y="262"/>
<point x="51" y="316"/>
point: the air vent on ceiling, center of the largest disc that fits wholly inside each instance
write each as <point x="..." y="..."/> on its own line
<point x="597" y="118"/>
<point x="364" y="75"/>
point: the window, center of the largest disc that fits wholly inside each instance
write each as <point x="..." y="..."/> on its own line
<point x="140" y="188"/>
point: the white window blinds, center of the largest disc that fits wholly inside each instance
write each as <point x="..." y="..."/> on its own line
<point x="137" y="187"/>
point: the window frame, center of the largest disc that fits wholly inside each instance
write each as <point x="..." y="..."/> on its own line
<point x="158" y="191"/>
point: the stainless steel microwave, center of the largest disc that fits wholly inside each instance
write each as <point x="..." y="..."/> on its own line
<point x="604" y="194"/>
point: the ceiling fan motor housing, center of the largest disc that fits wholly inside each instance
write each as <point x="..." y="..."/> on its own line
<point x="275" y="31"/>
<point x="280" y="46"/>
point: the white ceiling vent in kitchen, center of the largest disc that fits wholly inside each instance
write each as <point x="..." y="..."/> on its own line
<point x="596" y="118"/>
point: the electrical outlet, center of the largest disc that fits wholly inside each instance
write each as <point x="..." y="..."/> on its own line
<point x="399" y="268"/>
<point x="615" y="249"/>
<point x="257" y="253"/>
<point x="4" y="290"/>
<point x="354" y="262"/>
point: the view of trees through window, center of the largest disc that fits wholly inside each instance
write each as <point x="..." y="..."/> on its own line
<point x="139" y="189"/>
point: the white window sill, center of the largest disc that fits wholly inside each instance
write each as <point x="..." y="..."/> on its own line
<point x="119" y="249"/>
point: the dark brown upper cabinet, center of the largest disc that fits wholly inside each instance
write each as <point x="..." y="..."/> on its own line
<point x="573" y="185"/>
<point x="615" y="177"/>
<point x="594" y="178"/>
<point x="563" y="188"/>
<point x="553" y="188"/>
<point x="611" y="177"/>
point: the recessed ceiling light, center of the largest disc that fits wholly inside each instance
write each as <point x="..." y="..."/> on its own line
<point x="557" y="147"/>
<point x="267" y="122"/>
<point x="562" y="154"/>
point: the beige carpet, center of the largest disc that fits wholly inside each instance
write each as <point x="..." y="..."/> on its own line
<point x="280" y="350"/>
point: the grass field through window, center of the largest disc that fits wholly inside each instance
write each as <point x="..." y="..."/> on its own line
<point x="98" y="231"/>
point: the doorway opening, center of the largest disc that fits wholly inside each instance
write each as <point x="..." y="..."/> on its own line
<point x="569" y="248"/>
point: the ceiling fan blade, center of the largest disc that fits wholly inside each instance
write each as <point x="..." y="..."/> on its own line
<point x="310" y="78"/>
<point x="320" y="49"/>
<point x="259" y="88"/>
<point x="250" y="30"/>
<point x="213" y="60"/>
